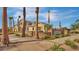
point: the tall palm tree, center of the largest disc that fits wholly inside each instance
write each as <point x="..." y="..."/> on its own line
<point x="10" y="23"/>
<point x="48" y="25"/>
<point x="24" y="22"/>
<point x="60" y="24"/>
<point x="5" y="27"/>
<point x="37" y="14"/>
<point x="18" y="23"/>
<point x="13" y="24"/>
<point x="49" y="17"/>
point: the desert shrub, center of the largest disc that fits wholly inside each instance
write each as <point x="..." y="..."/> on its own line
<point x="76" y="40"/>
<point x="0" y="33"/>
<point x="58" y="35"/>
<point x="56" y="47"/>
<point x="51" y="38"/>
<point x="46" y="37"/>
<point x="27" y="35"/>
<point x="71" y="44"/>
<point x="17" y="34"/>
<point x="11" y="33"/>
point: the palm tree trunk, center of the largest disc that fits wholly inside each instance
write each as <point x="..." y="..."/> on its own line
<point x="24" y="22"/>
<point x="10" y="24"/>
<point x="49" y="17"/>
<point x="49" y="22"/>
<point x="18" y="23"/>
<point x="36" y="32"/>
<point x="5" y="27"/>
<point x="13" y="24"/>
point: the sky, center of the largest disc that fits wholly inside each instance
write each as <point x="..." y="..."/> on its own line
<point x="65" y="15"/>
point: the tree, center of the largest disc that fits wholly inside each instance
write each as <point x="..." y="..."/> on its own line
<point x="75" y="25"/>
<point x="36" y="32"/>
<point x="47" y="27"/>
<point x="24" y="22"/>
<point x="18" y="23"/>
<point x="10" y="23"/>
<point x="49" y="17"/>
<point x="13" y="24"/>
<point x="5" y="27"/>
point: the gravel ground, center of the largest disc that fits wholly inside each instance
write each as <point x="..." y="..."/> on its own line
<point x="32" y="44"/>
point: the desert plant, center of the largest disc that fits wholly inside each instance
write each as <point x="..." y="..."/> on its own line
<point x="56" y="47"/>
<point x="47" y="37"/>
<point x="71" y="44"/>
<point x="17" y="34"/>
<point x="76" y="40"/>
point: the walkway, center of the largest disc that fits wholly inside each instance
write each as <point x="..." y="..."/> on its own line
<point x="32" y="44"/>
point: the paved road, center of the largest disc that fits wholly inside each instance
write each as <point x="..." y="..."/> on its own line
<point x="37" y="45"/>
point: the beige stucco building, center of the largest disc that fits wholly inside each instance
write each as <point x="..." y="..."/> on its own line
<point x="30" y="26"/>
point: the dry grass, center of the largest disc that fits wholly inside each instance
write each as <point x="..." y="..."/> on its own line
<point x="56" y="47"/>
<point x="71" y="44"/>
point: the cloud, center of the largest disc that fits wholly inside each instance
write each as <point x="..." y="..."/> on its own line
<point x="55" y="15"/>
<point x="31" y="16"/>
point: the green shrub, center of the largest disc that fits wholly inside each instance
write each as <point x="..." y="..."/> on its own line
<point x="76" y="40"/>
<point x="47" y="37"/>
<point x="11" y="33"/>
<point x="56" y="47"/>
<point x="71" y="44"/>
<point x="0" y="33"/>
<point x="51" y="38"/>
<point x="17" y="34"/>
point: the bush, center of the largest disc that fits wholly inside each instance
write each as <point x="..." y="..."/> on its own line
<point x="76" y="40"/>
<point x="17" y="34"/>
<point x="11" y="33"/>
<point x="56" y="47"/>
<point x="0" y="33"/>
<point x="47" y="37"/>
<point x="71" y="44"/>
<point x="58" y="35"/>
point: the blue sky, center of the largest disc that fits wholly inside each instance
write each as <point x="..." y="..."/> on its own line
<point x="67" y="15"/>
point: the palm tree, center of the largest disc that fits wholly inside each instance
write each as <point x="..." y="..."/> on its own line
<point x="13" y="24"/>
<point x="75" y="25"/>
<point x="10" y="23"/>
<point x="49" y="17"/>
<point x="48" y="25"/>
<point x="24" y="22"/>
<point x="5" y="27"/>
<point x="18" y="23"/>
<point x="36" y="32"/>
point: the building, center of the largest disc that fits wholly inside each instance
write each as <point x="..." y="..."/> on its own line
<point x="30" y="26"/>
<point x="62" y="31"/>
<point x="66" y="31"/>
